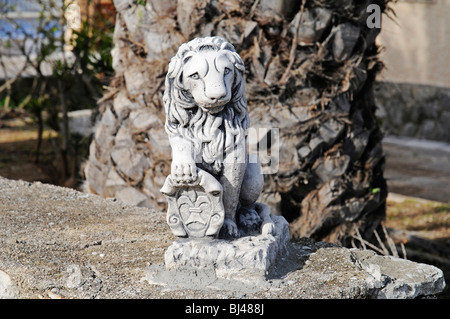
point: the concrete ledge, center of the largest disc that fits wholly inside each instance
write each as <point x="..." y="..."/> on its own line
<point x="59" y="243"/>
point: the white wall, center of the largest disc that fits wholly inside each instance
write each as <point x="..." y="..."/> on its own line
<point x="417" y="43"/>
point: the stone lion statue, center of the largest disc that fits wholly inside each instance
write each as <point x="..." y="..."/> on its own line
<point x="207" y="122"/>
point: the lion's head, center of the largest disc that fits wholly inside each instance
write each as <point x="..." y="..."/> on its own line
<point x="206" y="72"/>
<point x="204" y="98"/>
<point x="208" y="76"/>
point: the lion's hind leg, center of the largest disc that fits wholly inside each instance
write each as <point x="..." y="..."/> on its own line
<point x="231" y="181"/>
<point x="253" y="217"/>
<point x="253" y="182"/>
<point x="267" y="224"/>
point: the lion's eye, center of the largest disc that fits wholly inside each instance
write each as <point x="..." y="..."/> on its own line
<point x="194" y="76"/>
<point x="226" y="71"/>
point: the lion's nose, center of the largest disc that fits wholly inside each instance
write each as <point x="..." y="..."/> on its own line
<point x="216" y="92"/>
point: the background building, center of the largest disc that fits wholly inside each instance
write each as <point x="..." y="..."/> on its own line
<point x="413" y="93"/>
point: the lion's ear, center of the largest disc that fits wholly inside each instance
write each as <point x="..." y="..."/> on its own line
<point x="226" y="46"/>
<point x="174" y="67"/>
<point x="187" y="57"/>
<point x="236" y="60"/>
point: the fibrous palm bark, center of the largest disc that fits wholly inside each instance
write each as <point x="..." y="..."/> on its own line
<point x="310" y="67"/>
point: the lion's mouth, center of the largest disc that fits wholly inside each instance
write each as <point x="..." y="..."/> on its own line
<point x="212" y="108"/>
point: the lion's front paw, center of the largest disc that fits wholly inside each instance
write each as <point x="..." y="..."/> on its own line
<point x="184" y="173"/>
<point x="229" y="229"/>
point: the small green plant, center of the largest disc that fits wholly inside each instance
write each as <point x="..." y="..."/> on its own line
<point x="375" y="190"/>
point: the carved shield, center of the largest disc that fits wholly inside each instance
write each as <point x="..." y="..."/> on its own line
<point x="195" y="210"/>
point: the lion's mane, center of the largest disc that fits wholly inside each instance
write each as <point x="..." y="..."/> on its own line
<point x="212" y="135"/>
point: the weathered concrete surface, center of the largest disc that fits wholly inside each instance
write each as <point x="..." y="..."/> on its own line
<point x="59" y="243"/>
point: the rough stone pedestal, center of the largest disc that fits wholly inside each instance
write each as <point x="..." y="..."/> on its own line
<point x="244" y="259"/>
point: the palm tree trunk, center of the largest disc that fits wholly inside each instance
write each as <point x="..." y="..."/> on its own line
<point x="310" y="68"/>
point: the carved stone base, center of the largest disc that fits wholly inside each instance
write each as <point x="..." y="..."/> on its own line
<point x="244" y="259"/>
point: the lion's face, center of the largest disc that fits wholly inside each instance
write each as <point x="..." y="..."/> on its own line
<point x="208" y="77"/>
